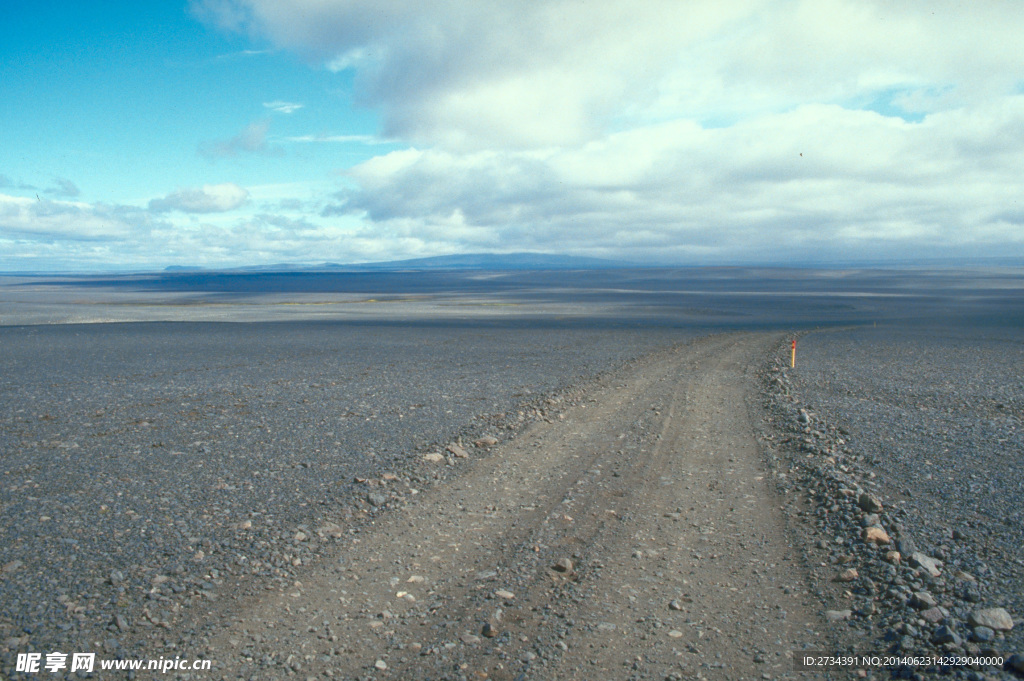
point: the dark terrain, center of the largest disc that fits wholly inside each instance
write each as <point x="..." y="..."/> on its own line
<point x="160" y="466"/>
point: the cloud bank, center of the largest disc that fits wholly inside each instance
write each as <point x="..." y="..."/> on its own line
<point x="664" y="132"/>
<point x="738" y="130"/>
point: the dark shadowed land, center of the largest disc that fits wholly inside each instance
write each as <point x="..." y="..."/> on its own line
<point x="692" y="297"/>
<point x="228" y="455"/>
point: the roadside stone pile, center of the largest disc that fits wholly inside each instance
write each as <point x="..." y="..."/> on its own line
<point x="884" y="589"/>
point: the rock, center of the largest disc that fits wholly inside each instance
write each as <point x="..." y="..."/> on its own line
<point x="376" y="499"/>
<point x="489" y="630"/>
<point x="502" y="593"/>
<point x="945" y="634"/>
<point x="120" y="622"/>
<point x="848" y="575"/>
<point x="11" y="566"/>
<point x="1016" y="663"/>
<point x="562" y="565"/>
<point x="893" y="557"/>
<point x="485" y="441"/>
<point x="996" y="619"/>
<point x="869" y="503"/>
<point x="433" y="457"/>
<point x="870" y="520"/>
<point x="458" y="451"/>
<point x="933" y="615"/>
<point x="675" y="605"/>
<point x="926" y="563"/>
<point x="381" y="665"/>
<point x="330" y="530"/>
<point x="921" y="600"/>
<point x="838" y="615"/>
<point x="875" y="535"/>
<point x="675" y="633"/>
<point x="470" y="639"/>
<point x="983" y="634"/>
<point x="301" y="536"/>
<point x="906" y="545"/>
<point x="116" y="577"/>
<point x="803" y="417"/>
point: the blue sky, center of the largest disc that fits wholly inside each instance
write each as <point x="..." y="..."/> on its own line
<point x="240" y="132"/>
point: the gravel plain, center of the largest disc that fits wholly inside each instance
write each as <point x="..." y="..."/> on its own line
<point x="915" y="431"/>
<point x="146" y="465"/>
<point x="151" y="470"/>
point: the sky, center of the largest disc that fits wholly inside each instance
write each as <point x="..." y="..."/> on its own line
<point x="227" y="133"/>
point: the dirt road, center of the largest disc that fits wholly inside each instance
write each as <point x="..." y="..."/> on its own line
<point x="633" y="537"/>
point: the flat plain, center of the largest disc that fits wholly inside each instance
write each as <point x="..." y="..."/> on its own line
<point x="183" y="453"/>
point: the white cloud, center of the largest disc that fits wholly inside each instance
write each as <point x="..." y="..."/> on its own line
<point x="253" y="139"/>
<point x="470" y="74"/>
<point x="283" y="107"/>
<point x="36" y="219"/>
<point x="210" y="198"/>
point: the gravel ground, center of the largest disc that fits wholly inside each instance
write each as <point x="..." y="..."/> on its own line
<point x="148" y="467"/>
<point x="916" y="431"/>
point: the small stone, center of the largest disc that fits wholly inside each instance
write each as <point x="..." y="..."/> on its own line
<point x="906" y="545"/>
<point x="945" y="634"/>
<point x="870" y="520"/>
<point x="489" y="630"/>
<point x="926" y="563"/>
<point x="116" y="577"/>
<point x="376" y="499"/>
<point x="11" y="566"/>
<point x="458" y="451"/>
<point x="120" y="622"/>
<point x="199" y="556"/>
<point x="502" y="593"/>
<point x="996" y="619"/>
<point x="933" y="615"/>
<point x="675" y="633"/>
<point x="875" y="535"/>
<point x="921" y="600"/>
<point x="301" y="536"/>
<point x="562" y="565"/>
<point x="893" y="557"/>
<point x="380" y="665"/>
<point x="838" y="615"/>
<point x="330" y="530"/>
<point x="485" y="441"/>
<point x="470" y="639"/>
<point x="675" y="605"/>
<point x="245" y="525"/>
<point x="869" y="503"/>
<point x="1016" y="663"/>
<point x="848" y="575"/>
<point x="983" y="634"/>
<point x="416" y="579"/>
<point x="433" y="457"/>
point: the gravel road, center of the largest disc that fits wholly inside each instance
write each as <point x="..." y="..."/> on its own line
<point x="634" y="537"/>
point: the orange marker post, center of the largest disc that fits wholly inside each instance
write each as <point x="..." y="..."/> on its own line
<point x="792" y="360"/>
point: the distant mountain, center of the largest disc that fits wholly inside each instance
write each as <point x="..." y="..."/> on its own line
<point x="468" y="261"/>
<point x="495" y="261"/>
